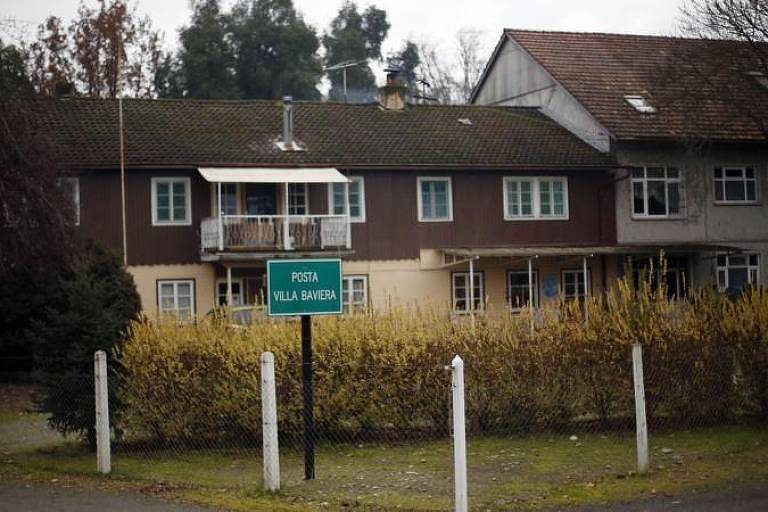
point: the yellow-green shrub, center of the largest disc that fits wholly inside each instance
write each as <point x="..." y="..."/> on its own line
<point x="382" y="374"/>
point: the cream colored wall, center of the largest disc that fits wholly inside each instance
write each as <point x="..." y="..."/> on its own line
<point x="426" y="281"/>
<point x="146" y="277"/>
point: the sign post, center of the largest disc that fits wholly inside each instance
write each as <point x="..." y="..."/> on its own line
<point x="305" y="287"/>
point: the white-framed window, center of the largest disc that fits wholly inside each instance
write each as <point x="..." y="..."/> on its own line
<point x="171" y="201"/>
<point x="460" y="291"/>
<point x="435" y="199"/>
<point x="656" y="192"/>
<point x="354" y="292"/>
<point x="336" y="192"/>
<point x="70" y="185"/>
<point x="735" y="271"/>
<point x="528" y="198"/>
<point x="230" y="199"/>
<point x="237" y="292"/>
<point x="298" y="199"/>
<point x="640" y="103"/>
<point x="518" y="291"/>
<point x="735" y="185"/>
<point x="177" y="297"/>
<point x="573" y="284"/>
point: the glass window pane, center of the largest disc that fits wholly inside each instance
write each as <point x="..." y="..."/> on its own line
<point x="638" y="173"/>
<point x="163" y="214"/>
<point x="734" y="173"/>
<point x="718" y="190"/>
<point x="750" y="173"/>
<point x="673" y="173"/>
<point x="751" y="191"/>
<point x="657" y="198"/>
<point x="674" y="197"/>
<point x="734" y="190"/>
<point x="544" y="198"/>
<point x="718" y="172"/>
<point x="639" y="201"/>
<point x="656" y="172"/>
<point x="185" y="289"/>
<point x="426" y="200"/>
<point x="754" y="260"/>
<point x="162" y="189"/>
<point x="737" y="279"/>
<point x="163" y="201"/>
<point x="179" y="212"/>
<point x="526" y="199"/>
<point x="513" y="199"/>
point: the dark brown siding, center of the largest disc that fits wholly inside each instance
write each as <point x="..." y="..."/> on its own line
<point x="391" y="230"/>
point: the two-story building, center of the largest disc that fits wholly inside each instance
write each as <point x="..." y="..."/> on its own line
<point x="419" y="201"/>
<point x="694" y="174"/>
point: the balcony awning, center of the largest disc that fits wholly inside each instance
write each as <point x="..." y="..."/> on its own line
<point x="272" y="175"/>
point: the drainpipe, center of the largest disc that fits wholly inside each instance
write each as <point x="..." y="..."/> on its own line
<point x="349" y="216"/>
<point x="286" y="220"/>
<point x="229" y="286"/>
<point x="586" y="288"/>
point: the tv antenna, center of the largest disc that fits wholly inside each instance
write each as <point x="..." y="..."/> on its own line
<point x="343" y="66"/>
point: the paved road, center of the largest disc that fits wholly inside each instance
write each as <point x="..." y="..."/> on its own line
<point x="743" y="500"/>
<point x="38" y="498"/>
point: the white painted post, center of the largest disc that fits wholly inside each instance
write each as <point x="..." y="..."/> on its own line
<point x="471" y="285"/>
<point x="103" y="454"/>
<point x="229" y="287"/>
<point x="459" y="436"/>
<point x="271" y="452"/>
<point x="642" y="425"/>
<point x="221" y="217"/>
<point x="530" y="291"/>
<point x="286" y="219"/>
<point x="586" y="288"/>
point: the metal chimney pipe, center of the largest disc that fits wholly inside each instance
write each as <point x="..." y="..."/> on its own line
<point x="288" y="122"/>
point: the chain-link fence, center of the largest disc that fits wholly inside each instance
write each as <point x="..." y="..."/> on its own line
<point x="383" y="430"/>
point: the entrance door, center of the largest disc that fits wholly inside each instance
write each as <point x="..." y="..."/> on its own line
<point x="260" y="199"/>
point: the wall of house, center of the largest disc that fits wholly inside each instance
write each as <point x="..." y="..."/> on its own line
<point x="146" y="277"/>
<point x="392" y="230"/>
<point x="516" y="79"/>
<point x="704" y="221"/>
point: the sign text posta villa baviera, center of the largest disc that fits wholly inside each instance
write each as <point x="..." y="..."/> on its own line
<point x="304" y="287"/>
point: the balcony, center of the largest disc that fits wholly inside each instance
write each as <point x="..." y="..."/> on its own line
<point x="270" y="233"/>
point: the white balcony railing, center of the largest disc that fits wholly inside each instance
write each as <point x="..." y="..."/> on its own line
<point x="275" y="232"/>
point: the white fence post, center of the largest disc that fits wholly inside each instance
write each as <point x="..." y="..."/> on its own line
<point x="459" y="436"/>
<point x="103" y="453"/>
<point x="271" y="452"/>
<point x="642" y="425"/>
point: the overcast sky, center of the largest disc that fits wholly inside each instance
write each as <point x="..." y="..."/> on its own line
<point x="436" y="21"/>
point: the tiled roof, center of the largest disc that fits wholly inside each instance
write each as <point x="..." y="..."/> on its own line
<point x="239" y="133"/>
<point x="599" y="70"/>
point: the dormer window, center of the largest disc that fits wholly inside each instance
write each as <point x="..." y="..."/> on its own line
<point x="640" y="104"/>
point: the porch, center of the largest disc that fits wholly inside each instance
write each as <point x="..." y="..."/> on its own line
<point x="260" y="213"/>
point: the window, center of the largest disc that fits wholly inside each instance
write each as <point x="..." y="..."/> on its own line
<point x="460" y="291"/>
<point x="354" y="293"/>
<point x="230" y="198"/>
<point x="640" y="104"/>
<point x="735" y="185"/>
<point x="336" y="201"/>
<point x="573" y="284"/>
<point x="177" y="298"/>
<point x="237" y="292"/>
<point x="435" y="200"/>
<point x="677" y="277"/>
<point x="535" y="198"/>
<point x="518" y="291"/>
<point x="656" y="192"/>
<point x="736" y="271"/>
<point x="171" y="201"/>
<point x="297" y="199"/>
<point x="71" y="187"/>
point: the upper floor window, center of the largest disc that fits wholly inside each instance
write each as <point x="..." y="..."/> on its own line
<point x="171" y="201"/>
<point x="535" y="198"/>
<point x="298" y="203"/>
<point x="737" y="271"/>
<point x="735" y="185"/>
<point x="656" y="192"/>
<point x="435" y="199"/>
<point x="519" y="289"/>
<point x="460" y="291"/>
<point x="336" y="200"/>
<point x="177" y="297"/>
<point x="354" y="292"/>
<point x="71" y="188"/>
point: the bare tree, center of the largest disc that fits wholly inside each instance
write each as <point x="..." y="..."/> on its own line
<point x="436" y="75"/>
<point x="722" y="63"/>
<point x="471" y="62"/>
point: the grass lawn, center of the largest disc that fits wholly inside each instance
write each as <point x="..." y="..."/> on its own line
<point x="526" y="472"/>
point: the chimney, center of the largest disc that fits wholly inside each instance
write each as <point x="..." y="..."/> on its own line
<point x="288" y="123"/>
<point x="392" y="95"/>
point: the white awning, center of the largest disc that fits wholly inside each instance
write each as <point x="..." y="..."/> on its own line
<point x="272" y="175"/>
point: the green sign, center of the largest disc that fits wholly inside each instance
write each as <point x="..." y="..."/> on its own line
<point x="304" y="287"/>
